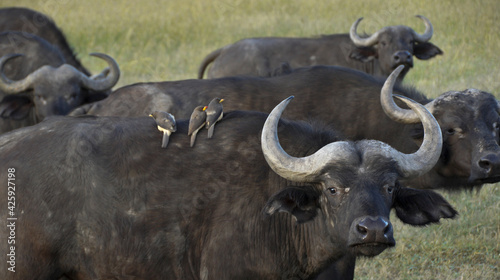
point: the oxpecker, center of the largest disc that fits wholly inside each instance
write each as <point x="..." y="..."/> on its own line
<point x="196" y="122"/>
<point x="214" y="114"/>
<point x="166" y="124"/>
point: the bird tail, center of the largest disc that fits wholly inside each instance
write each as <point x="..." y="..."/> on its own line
<point x="164" y="142"/>
<point x="211" y="131"/>
<point x="193" y="138"/>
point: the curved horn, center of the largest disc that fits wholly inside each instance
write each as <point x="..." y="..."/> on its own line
<point x="420" y="162"/>
<point x="305" y="169"/>
<point x="429" y="30"/>
<point x="105" y="83"/>
<point x="392" y="110"/>
<point x="9" y="86"/>
<point x="362" y="42"/>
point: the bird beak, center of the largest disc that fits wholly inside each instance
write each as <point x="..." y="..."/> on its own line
<point x="151" y="115"/>
<point x="204" y="108"/>
<point x="221" y="100"/>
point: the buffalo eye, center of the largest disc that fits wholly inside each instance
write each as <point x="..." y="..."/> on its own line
<point x="389" y="189"/>
<point x="333" y="191"/>
<point x="383" y="43"/>
<point x="456" y="130"/>
<point x="450" y="131"/>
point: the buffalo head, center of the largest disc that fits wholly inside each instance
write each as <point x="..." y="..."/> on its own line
<point x="470" y="124"/>
<point x="52" y="90"/>
<point x="394" y="46"/>
<point x="355" y="185"/>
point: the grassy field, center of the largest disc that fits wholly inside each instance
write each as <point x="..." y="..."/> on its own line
<point x="166" y="40"/>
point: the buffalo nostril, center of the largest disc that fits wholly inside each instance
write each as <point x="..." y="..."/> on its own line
<point x="489" y="163"/>
<point x="362" y="229"/>
<point x="388" y="228"/>
<point x="402" y="57"/>
<point x="485" y="164"/>
<point x="371" y="229"/>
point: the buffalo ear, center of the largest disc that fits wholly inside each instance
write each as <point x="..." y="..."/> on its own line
<point x="421" y="207"/>
<point x="301" y="202"/>
<point x="15" y="107"/>
<point x="363" y="54"/>
<point x="426" y="51"/>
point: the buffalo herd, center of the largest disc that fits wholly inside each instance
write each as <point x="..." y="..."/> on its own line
<point x="100" y="195"/>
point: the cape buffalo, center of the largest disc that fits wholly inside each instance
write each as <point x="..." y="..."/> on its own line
<point x="377" y="54"/>
<point x="103" y="200"/>
<point x="348" y="100"/>
<point x="36" y="82"/>
<point x="30" y="23"/>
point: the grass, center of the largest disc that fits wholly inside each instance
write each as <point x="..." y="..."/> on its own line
<point x="166" y="40"/>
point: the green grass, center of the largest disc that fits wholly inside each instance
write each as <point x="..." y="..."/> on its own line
<point x="166" y="40"/>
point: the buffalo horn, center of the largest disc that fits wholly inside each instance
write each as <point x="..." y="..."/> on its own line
<point x="305" y="169"/>
<point x="392" y="110"/>
<point x="362" y="42"/>
<point x="309" y="168"/>
<point x="13" y="87"/>
<point x="103" y="84"/>
<point x="373" y="39"/>
<point x="429" y="30"/>
<point x="420" y="162"/>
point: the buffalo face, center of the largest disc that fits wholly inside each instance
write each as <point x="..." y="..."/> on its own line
<point x="58" y="97"/>
<point x="355" y="208"/>
<point x="394" y="46"/>
<point x="362" y="206"/>
<point x="470" y="124"/>
<point x="470" y="127"/>
<point x="52" y="90"/>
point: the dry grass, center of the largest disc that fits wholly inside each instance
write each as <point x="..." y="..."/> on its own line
<point x="166" y="40"/>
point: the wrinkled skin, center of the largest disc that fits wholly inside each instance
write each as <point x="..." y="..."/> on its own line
<point x="349" y="101"/>
<point x="119" y="200"/>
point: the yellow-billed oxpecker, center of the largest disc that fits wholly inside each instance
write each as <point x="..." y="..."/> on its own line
<point x="166" y="124"/>
<point x="214" y="114"/>
<point x="196" y="122"/>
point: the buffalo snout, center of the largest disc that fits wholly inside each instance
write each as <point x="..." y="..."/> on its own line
<point x="370" y="235"/>
<point x="487" y="169"/>
<point x="402" y="57"/>
<point x="490" y="163"/>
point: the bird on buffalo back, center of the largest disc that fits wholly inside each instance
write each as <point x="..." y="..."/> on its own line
<point x="214" y="114"/>
<point x="196" y="122"/>
<point x="166" y="124"/>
